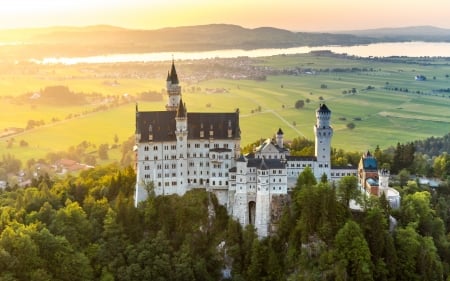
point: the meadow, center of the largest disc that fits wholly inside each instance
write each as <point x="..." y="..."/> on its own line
<point x="382" y="113"/>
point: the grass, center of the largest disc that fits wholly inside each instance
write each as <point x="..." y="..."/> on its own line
<point x="386" y="117"/>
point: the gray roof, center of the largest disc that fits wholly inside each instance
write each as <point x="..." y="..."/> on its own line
<point x="301" y="158"/>
<point x="265" y="164"/>
<point x="163" y="125"/>
<point x="323" y="108"/>
<point x="172" y="75"/>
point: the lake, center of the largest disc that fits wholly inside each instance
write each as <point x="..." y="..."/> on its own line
<point x="409" y="49"/>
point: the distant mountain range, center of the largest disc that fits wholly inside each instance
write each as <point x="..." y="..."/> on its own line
<point x="104" y="39"/>
<point x="413" y="33"/>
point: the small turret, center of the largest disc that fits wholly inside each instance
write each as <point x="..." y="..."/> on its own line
<point x="383" y="181"/>
<point x="173" y="89"/>
<point x="280" y="138"/>
<point x="323" y="115"/>
<point x="181" y="112"/>
<point x="173" y="74"/>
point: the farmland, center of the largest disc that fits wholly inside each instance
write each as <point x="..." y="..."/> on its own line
<point x="380" y="97"/>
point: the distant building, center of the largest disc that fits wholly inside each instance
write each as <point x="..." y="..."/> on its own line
<point x="178" y="150"/>
<point x="375" y="181"/>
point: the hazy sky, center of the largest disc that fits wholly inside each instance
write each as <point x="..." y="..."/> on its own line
<point x="296" y="15"/>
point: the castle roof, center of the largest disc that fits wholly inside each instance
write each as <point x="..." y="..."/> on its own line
<point x="172" y="76"/>
<point x="301" y="158"/>
<point x="181" y="112"/>
<point x="241" y="158"/>
<point x="265" y="164"/>
<point x="269" y="143"/>
<point x="323" y="108"/>
<point x="163" y="125"/>
<point x="280" y="132"/>
<point x="369" y="162"/>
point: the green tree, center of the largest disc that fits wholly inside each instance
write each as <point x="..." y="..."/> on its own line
<point x="407" y="243"/>
<point x="352" y="254"/>
<point x="72" y="223"/>
<point x="299" y="104"/>
<point x="306" y="179"/>
<point x="103" y="151"/>
<point x="348" y="190"/>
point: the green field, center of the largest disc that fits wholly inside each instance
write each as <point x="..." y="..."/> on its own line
<point x="384" y="117"/>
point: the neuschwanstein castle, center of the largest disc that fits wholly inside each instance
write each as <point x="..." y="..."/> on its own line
<point x="178" y="150"/>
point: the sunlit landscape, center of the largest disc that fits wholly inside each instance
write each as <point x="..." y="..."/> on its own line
<point x="224" y="140"/>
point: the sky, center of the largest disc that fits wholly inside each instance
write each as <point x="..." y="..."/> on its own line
<point x="295" y="15"/>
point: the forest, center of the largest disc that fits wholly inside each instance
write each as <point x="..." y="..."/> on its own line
<point x="86" y="227"/>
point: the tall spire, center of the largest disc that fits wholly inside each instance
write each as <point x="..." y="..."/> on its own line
<point x="173" y="73"/>
<point x="181" y="112"/>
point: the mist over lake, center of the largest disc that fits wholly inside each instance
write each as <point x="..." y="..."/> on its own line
<point x="408" y="49"/>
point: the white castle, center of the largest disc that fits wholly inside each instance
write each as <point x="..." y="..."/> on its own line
<point x="178" y="151"/>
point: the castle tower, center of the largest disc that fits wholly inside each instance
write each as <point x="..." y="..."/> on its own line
<point x="323" y="133"/>
<point x="241" y="205"/>
<point x="280" y="138"/>
<point x="262" y="214"/>
<point x="181" y="133"/>
<point x="173" y="89"/>
<point x="383" y="181"/>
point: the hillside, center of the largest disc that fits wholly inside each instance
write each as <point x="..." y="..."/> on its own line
<point x="104" y="39"/>
<point x="97" y="40"/>
<point x="412" y="33"/>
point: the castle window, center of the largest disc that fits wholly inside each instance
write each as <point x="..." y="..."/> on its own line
<point x="146" y="158"/>
<point x="155" y="148"/>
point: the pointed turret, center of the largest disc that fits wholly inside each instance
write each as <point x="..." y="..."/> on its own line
<point x="280" y="138"/>
<point x="173" y="89"/>
<point x="173" y="74"/>
<point x="181" y="112"/>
